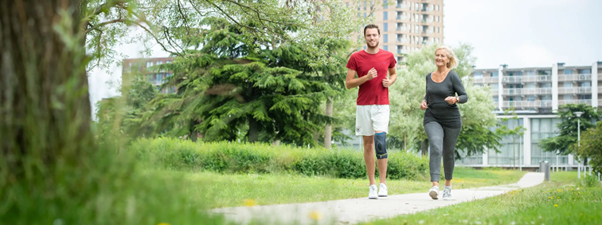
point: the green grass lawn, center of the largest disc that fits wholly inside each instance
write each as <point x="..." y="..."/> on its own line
<point x="563" y="200"/>
<point x="224" y="190"/>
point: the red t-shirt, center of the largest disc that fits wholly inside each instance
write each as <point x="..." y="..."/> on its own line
<point x="372" y="92"/>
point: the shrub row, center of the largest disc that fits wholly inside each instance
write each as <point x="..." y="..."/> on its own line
<point x="263" y="158"/>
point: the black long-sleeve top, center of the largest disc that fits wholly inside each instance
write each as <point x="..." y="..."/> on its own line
<point x="438" y="109"/>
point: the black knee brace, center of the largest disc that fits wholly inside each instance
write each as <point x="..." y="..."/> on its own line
<point x="380" y="145"/>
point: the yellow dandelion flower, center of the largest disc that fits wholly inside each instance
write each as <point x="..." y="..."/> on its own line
<point x="555" y="205"/>
<point x="250" y="202"/>
<point x="315" y="215"/>
<point x="163" y="224"/>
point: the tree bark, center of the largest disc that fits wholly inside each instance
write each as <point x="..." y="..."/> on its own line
<point x="44" y="101"/>
<point x="253" y="129"/>
<point x="328" y="128"/>
<point x="424" y="145"/>
<point x="405" y="141"/>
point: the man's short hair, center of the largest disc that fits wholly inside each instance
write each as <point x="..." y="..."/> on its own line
<point x="371" y="26"/>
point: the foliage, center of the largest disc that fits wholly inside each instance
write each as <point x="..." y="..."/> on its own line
<point x="406" y="95"/>
<point x="52" y="170"/>
<point x="591" y="147"/>
<point x="568" y="127"/>
<point x="227" y="157"/>
<point x="230" y="85"/>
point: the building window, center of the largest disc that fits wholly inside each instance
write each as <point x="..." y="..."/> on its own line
<point x="568" y="71"/>
<point x="149" y="64"/>
<point x="494" y="74"/>
<point x="400" y="49"/>
<point x="531" y="98"/>
<point x="365" y="5"/>
<point x="158" y="78"/>
<point x="478" y="74"/>
<point x="385" y="15"/>
<point x="365" y="15"/>
<point x="159" y="62"/>
<point x="585" y="97"/>
<point x="385" y="38"/>
<point x="386" y="47"/>
<point x="385" y="5"/>
<point x="586" y="71"/>
<point x="586" y="84"/>
<point x="386" y="27"/>
<point x="568" y="97"/>
<point x="149" y="78"/>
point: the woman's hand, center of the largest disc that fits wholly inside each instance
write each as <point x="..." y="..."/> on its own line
<point x="423" y="105"/>
<point x="451" y="100"/>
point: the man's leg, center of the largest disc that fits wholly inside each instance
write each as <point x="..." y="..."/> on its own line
<point x="369" y="157"/>
<point x="380" y="145"/>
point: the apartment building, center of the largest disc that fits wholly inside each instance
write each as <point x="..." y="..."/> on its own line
<point x="536" y="93"/>
<point x="143" y="67"/>
<point x="405" y="25"/>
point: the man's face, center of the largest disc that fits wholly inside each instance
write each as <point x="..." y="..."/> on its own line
<point x="372" y="37"/>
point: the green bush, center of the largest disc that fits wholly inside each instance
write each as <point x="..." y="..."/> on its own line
<point x="591" y="181"/>
<point x="263" y="158"/>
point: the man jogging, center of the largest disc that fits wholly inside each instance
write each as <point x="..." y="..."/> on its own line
<point x="372" y="116"/>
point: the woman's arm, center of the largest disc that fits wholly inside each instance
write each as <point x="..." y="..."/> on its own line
<point x="459" y="88"/>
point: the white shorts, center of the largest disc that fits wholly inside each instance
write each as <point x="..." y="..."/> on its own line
<point x="371" y="118"/>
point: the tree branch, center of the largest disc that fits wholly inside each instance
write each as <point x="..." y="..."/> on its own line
<point x="156" y="39"/>
<point x="103" y="24"/>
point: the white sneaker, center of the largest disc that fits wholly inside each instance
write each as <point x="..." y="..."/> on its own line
<point x="372" y="194"/>
<point x="434" y="192"/>
<point x="447" y="193"/>
<point x="382" y="190"/>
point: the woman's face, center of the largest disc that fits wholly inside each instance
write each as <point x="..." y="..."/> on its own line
<point x="441" y="58"/>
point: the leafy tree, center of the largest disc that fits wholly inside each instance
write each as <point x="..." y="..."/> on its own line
<point x="230" y="84"/>
<point x="591" y="147"/>
<point x="568" y="127"/>
<point x="406" y="95"/>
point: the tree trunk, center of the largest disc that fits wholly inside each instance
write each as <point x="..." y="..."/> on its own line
<point x="424" y="145"/>
<point x="253" y="129"/>
<point x="44" y="100"/>
<point x="405" y="141"/>
<point x="328" y="128"/>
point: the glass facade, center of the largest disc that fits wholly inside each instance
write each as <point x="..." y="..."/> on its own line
<point x="542" y="128"/>
<point x="511" y="151"/>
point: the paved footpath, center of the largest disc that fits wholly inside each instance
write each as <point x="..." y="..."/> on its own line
<point x="351" y="211"/>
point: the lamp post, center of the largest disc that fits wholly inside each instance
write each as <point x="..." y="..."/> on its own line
<point x="578" y="114"/>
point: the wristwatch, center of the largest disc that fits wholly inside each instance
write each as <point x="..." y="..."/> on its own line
<point x="457" y="99"/>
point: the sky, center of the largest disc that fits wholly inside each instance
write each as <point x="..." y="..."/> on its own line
<point x="519" y="33"/>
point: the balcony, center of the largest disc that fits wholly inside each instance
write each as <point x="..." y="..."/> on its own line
<point x="512" y="91"/>
<point x="401" y="6"/>
<point x="528" y="104"/>
<point x="512" y="79"/>
<point x="575" y="101"/>
<point x="599" y="102"/>
<point x="401" y="29"/>
<point x="401" y="17"/>
<point x="574" y="90"/>
<point x="486" y="80"/>
<point x="402" y="40"/>
<point x="574" y="77"/>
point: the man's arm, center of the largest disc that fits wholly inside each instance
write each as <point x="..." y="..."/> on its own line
<point x="391" y="79"/>
<point x="352" y="82"/>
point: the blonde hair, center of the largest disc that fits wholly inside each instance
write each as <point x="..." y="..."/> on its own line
<point x="450" y="55"/>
